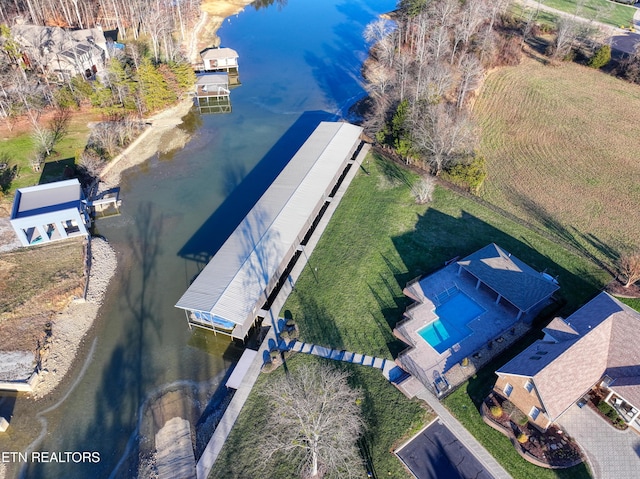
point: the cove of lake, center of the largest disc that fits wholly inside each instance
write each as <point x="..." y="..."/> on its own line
<point x="299" y="64"/>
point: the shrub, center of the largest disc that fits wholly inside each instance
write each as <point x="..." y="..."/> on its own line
<point x="469" y="175"/>
<point x="522" y="438"/>
<point x="273" y="354"/>
<point x="601" y="57"/>
<point x="422" y="189"/>
<point x="508" y="407"/>
<point x="496" y="411"/>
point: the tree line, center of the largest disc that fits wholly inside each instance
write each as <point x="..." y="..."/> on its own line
<point x="424" y="67"/>
<point x="156" y="19"/>
<point x="430" y="57"/>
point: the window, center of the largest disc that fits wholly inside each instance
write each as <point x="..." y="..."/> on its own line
<point x="534" y="413"/>
<point x="507" y="389"/>
<point x="528" y="386"/>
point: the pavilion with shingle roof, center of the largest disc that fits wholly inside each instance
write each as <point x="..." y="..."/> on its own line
<point x="511" y="279"/>
<point x="598" y="344"/>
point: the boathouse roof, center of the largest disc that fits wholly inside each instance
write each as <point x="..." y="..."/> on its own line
<point x="232" y="285"/>
<point x="218" y="53"/>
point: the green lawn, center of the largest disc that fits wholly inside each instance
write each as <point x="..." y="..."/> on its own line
<point x="604" y="11"/>
<point x="20" y="148"/>
<point x="350" y="295"/>
<point x="388" y="414"/>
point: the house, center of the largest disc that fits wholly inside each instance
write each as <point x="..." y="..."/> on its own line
<point x="65" y="53"/>
<point x="49" y="212"/>
<point x="219" y="59"/>
<point x="597" y="346"/>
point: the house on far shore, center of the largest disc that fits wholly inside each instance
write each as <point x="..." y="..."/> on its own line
<point x="65" y="53"/>
<point x="597" y="349"/>
<point x="50" y="212"/>
<point x="220" y="59"/>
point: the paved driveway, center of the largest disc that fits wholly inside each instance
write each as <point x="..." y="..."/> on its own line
<point x="613" y="454"/>
<point x="436" y="453"/>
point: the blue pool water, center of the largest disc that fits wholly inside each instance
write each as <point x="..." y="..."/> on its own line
<point x="451" y="327"/>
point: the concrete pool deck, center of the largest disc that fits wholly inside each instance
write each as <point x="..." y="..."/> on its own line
<point x="498" y="323"/>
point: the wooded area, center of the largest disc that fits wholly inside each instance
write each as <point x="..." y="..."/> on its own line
<point x="155" y="18"/>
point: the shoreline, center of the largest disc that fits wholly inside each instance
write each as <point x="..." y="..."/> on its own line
<point x="73" y="323"/>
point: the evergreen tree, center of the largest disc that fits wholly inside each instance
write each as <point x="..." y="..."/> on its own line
<point x="153" y="88"/>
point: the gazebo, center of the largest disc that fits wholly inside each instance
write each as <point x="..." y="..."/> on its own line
<point x="512" y="280"/>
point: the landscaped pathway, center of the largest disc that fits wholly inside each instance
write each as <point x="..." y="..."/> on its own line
<point x="612" y="453"/>
<point x="386" y="366"/>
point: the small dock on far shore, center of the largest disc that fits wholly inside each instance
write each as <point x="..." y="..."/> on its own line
<point x="212" y="93"/>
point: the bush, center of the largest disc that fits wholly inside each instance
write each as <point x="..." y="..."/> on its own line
<point x="601" y="58"/>
<point x="508" y="407"/>
<point x="522" y="438"/>
<point x="496" y="411"/>
<point x="469" y="175"/>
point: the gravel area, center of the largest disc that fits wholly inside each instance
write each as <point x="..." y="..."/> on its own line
<point x="70" y="326"/>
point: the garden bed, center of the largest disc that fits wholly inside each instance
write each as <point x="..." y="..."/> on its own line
<point x="604" y="410"/>
<point x="551" y="449"/>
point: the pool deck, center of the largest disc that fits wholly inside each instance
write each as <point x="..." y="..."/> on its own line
<point x="498" y="324"/>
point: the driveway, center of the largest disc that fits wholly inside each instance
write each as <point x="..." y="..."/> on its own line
<point x="436" y="453"/>
<point x="612" y="453"/>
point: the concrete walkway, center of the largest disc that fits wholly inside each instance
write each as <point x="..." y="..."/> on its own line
<point x="611" y="453"/>
<point x="480" y="453"/>
<point x="386" y="366"/>
<point x="223" y="429"/>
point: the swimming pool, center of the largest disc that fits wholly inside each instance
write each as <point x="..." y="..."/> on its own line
<point x="451" y="327"/>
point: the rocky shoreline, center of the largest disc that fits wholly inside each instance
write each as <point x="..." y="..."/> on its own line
<point x="71" y="325"/>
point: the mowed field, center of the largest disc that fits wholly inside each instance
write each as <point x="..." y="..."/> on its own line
<point x="563" y="152"/>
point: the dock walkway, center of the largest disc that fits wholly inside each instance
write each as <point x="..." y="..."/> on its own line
<point x="389" y="369"/>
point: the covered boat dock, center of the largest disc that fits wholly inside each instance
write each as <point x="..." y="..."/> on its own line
<point x="229" y="295"/>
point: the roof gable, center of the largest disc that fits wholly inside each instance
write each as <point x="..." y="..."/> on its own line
<point x="602" y="337"/>
<point x="515" y="281"/>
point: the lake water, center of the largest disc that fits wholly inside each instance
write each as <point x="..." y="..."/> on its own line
<point x="299" y="64"/>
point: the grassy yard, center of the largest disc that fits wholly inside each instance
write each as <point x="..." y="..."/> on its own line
<point x="389" y="416"/>
<point x="19" y="148"/>
<point x="561" y="147"/>
<point x="350" y="296"/>
<point x="604" y="11"/>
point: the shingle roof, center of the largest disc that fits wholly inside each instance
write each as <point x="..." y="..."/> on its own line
<point x="219" y="54"/>
<point x="518" y="283"/>
<point x="607" y="342"/>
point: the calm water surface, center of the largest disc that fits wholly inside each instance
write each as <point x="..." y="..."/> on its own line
<point x="298" y="65"/>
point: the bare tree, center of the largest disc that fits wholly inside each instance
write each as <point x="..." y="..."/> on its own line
<point x="567" y="32"/>
<point x="442" y="134"/>
<point x="629" y="268"/>
<point x="315" y="422"/>
<point x="470" y="75"/>
<point x="422" y="189"/>
<point x="378" y="33"/>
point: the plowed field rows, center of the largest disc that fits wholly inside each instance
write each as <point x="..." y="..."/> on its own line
<point x="563" y="152"/>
